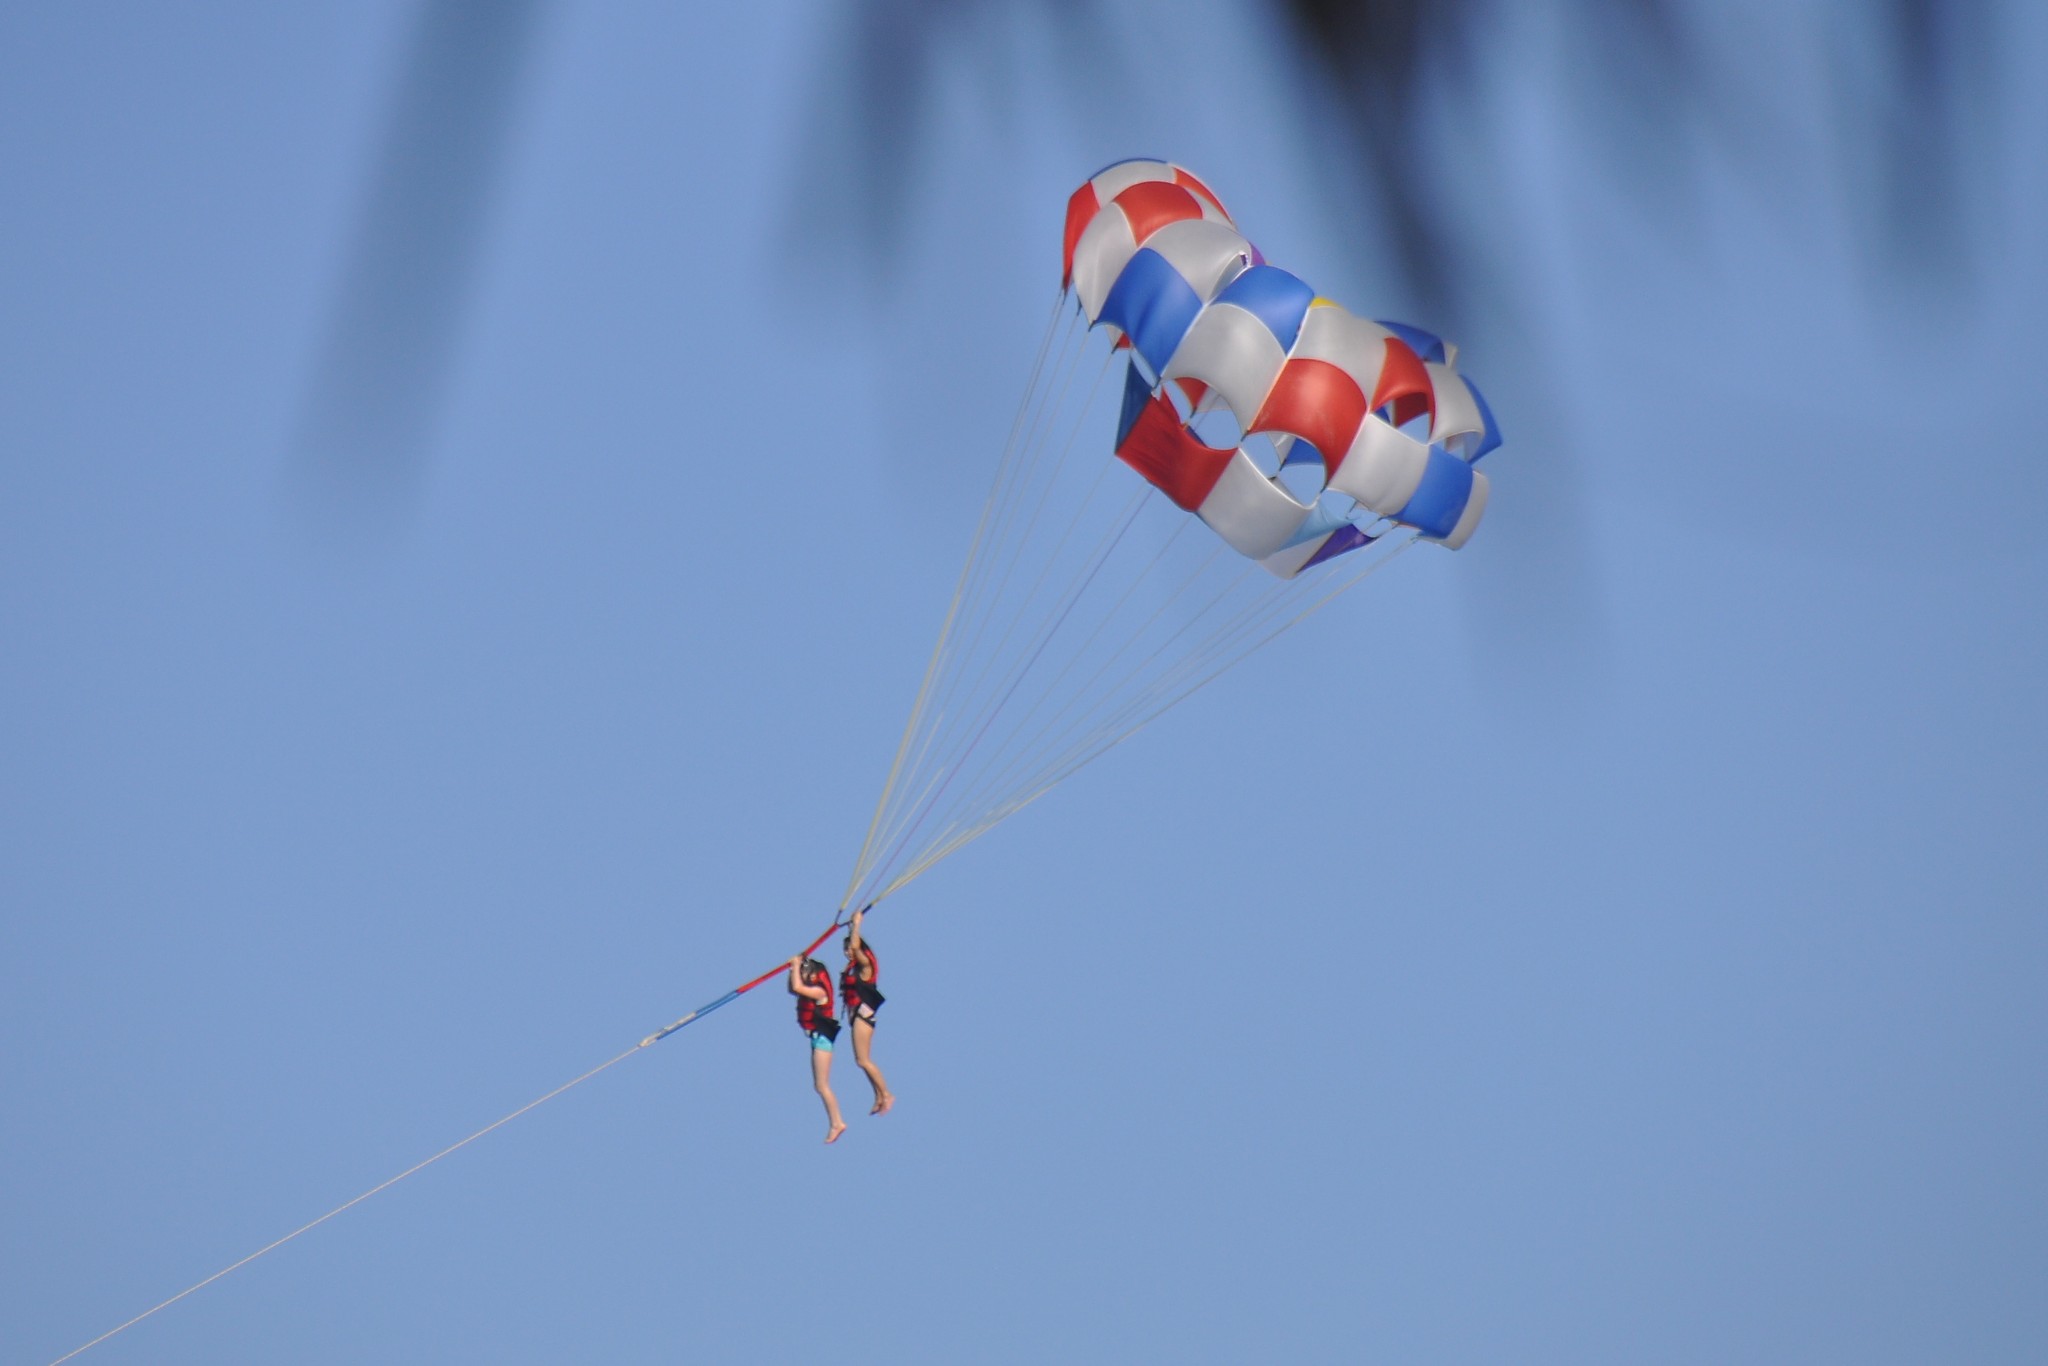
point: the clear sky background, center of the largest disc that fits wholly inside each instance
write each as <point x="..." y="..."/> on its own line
<point x="1622" y="940"/>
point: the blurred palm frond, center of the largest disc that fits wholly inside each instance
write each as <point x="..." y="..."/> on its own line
<point x="382" y="367"/>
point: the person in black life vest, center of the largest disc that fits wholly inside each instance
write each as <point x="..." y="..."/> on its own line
<point x="811" y="983"/>
<point x="857" y="990"/>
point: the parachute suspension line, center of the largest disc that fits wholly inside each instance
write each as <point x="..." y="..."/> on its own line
<point x="967" y="570"/>
<point x="1032" y="681"/>
<point x="990" y="803"/>
<point x="1082" y="756"/>
<point x="990" y="786"/>
<point x="996" y="675"/>
<point x="998" y="584"/>
<point x="959" y="716"/>
<point x="1047" y="400"/>
<point x="1003" y="755"/>
<point x="1001" y="765"/>
<point x="1006" y="497"/>
<point x="1019" y="747"/>
<point x="1202" y="665"/>
<point x="1044" y="639"/>
<point x="1010" y="446"/>
<point x="967" y="813"/>
<point x="1248" y="622"/>
<point x="1088" y="689"/>
<point x="1031" y="595"/>
<point x="979" y="722"/>
<point x="979" y="709"/>
<point x="975" y="683"/>
<point x="1231" y="653"/>
<point x="1136" y="713"/>
<point x="1015" y="472"/>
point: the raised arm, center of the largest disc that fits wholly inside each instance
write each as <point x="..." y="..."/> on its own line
<point x="799" y="987"/>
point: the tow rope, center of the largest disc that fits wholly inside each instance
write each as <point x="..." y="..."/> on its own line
<point x="699" y="1013"/>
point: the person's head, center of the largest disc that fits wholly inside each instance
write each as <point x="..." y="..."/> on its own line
<point x="813" y="970"/>
<point x="846" y="945"/>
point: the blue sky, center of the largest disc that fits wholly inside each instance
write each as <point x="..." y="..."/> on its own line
<point x="1618" y="941"/>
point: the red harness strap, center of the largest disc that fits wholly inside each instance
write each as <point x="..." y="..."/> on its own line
<point x="850" y="979"/>
<point x="809" y="1012"/>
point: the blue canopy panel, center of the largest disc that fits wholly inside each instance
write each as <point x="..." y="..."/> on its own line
<point x="1427" y="345"/>
<point x="1491" y="439"/>
<point x="1153" y="306"/>
<point x="1137" y="391"/>
<point x="1277" y="298"/>
<point x="1439" y="500"/>
<point x="1297" y="451"/>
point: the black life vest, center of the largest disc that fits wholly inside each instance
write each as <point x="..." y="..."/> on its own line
<point x="850" y="982"/>
<point x="809" y="1012"/>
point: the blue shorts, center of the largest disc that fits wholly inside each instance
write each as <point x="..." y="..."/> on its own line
<point x="820" y="1044"/>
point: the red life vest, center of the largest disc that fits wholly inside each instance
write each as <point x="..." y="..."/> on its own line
<point x="809" y="1012"/>
<point x="850" y="979"/>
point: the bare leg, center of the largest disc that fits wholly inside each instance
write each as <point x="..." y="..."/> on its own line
<point x="863" y="1041"/>
<point x="821" y="1077"/>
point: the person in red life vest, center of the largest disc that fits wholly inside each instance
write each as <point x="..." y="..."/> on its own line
<point x="857" y="990"/>
<point x="811" y="983"/>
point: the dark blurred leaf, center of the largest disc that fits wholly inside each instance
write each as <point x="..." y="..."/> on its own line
<point x="383" y="367"/>
<point x="1655" y="98"/>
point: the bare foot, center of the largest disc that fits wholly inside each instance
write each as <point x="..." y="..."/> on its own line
<point x="882" y="1104"/>
<point x="837" y="1130"/>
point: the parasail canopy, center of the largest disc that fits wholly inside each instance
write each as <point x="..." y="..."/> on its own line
<point x="1379" y="410"/>
<point x="1299" y="435"/>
